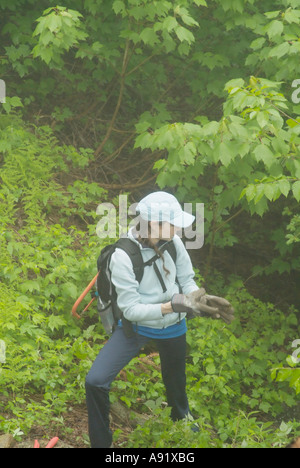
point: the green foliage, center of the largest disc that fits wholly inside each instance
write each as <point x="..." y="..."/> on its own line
<point x="290" y="374"/>
<point x="43" y="267"/>
<point x="58" y="29"/>
<point x="205" y="91"/>
<point x="229" y="380"/>
<point x="246" y="160"/>
<point x="246" y="145"/>
<point x="294" y="229"/>
<point x="45" y="260"/>
<point x="235" y="362"/>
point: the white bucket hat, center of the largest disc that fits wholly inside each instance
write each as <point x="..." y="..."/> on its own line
<point x="162" y="206"/>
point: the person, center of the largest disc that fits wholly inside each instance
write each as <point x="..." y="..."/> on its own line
<point x="156" y="307"/>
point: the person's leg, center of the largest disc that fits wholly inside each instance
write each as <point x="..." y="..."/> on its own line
<point x="115" y="354"/>
<point x="172" y="357"/>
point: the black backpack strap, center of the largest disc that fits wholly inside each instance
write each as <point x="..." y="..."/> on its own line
<point x="170" y="247"/>
<point x="134" y="253"/>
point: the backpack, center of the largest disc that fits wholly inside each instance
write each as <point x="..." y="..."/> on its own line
<point x="107" y="296"/>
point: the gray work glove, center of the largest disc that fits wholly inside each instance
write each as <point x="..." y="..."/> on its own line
<point x="224" y="308"/>
<point x="192" y="303"/>
<point x="201" y="304"/>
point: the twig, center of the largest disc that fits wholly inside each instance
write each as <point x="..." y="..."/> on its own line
<point x="229" y="219"/>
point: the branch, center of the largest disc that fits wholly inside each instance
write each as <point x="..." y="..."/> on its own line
<point x="140" y="64"/>
<point x="229" y="219"/>
<point x="283" y="113"/>
<point x="117" y="152"/>
<point x="122" y="86"/>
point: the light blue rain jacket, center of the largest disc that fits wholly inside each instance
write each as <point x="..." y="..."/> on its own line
<point x="141" y="302"/>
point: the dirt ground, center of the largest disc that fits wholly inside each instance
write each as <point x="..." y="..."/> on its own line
<point x="74" y="433"/>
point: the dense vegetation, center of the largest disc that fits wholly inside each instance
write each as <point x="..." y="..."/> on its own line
<point x="195" y="97"/>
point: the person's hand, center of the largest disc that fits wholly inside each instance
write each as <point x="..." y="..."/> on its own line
<point x="201" y="304"/>
<point x="225" y="309"/>
<point x="192" y="302"/>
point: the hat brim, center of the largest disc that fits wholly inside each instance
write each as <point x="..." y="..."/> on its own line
<point x="184" y="220"/>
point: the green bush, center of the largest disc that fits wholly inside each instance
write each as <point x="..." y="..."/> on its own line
<point x="231" y="392"/>
<point x="45" y="261"/>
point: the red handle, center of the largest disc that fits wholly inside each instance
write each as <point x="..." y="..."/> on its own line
<point x="52" y="442"/>
<point x="82" y="296"/>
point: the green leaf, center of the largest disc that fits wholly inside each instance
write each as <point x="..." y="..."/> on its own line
<point x="284" y="187"/>
<point x="160" y="164"/>
<point x="148" y="36"/>
<point x="259" y="192"/>
<point x="70" y="289"/>
<point x="225" y="153"/>
<point x="265" y="406"/>
<point x="250" y="192"/>
<point x="257" y="43"/>
<point x="291" y="123"/>
<point x="235" y="83"/>
<point x="275" y="28"/>
<point x="184" y="34"/>
<point x="53" y="22"/>
<point x="12" y="102"/>
<point x="263" y="153"/>
<point x="6" y="106"/>
<point x="143" y="141"/>
<point x="30" y="285"/>
<point x="272" y="14"/>
<point x="296" y="190"/>
<point x="46" y="54"/>
<point x="292" y="16"/>
<point x="187" y="153"/>
<point x="210" y="129"/>
<point x="126" y="400"/>
<point x="262" y="118"/>
<point x="118" y="6"/>
<point x="170" y="23"/>
<point x="55" y="322"/>
<point x="297" y="168"/>
<point x="280" y="50"/>
<point x="270" y="190"/>
<point x="210" y="369"/>
<point x="200" y="3"/>
<point x="188" y="20"/>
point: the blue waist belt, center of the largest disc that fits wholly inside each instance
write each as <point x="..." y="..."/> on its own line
<point x="172" y="331"/>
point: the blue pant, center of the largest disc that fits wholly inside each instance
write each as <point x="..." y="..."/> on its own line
<point x="115" y="354"/>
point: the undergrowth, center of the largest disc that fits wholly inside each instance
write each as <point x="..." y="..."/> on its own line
<point x="46" y="261"/>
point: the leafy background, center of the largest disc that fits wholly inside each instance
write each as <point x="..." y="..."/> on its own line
<point x="194" y="97"/>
